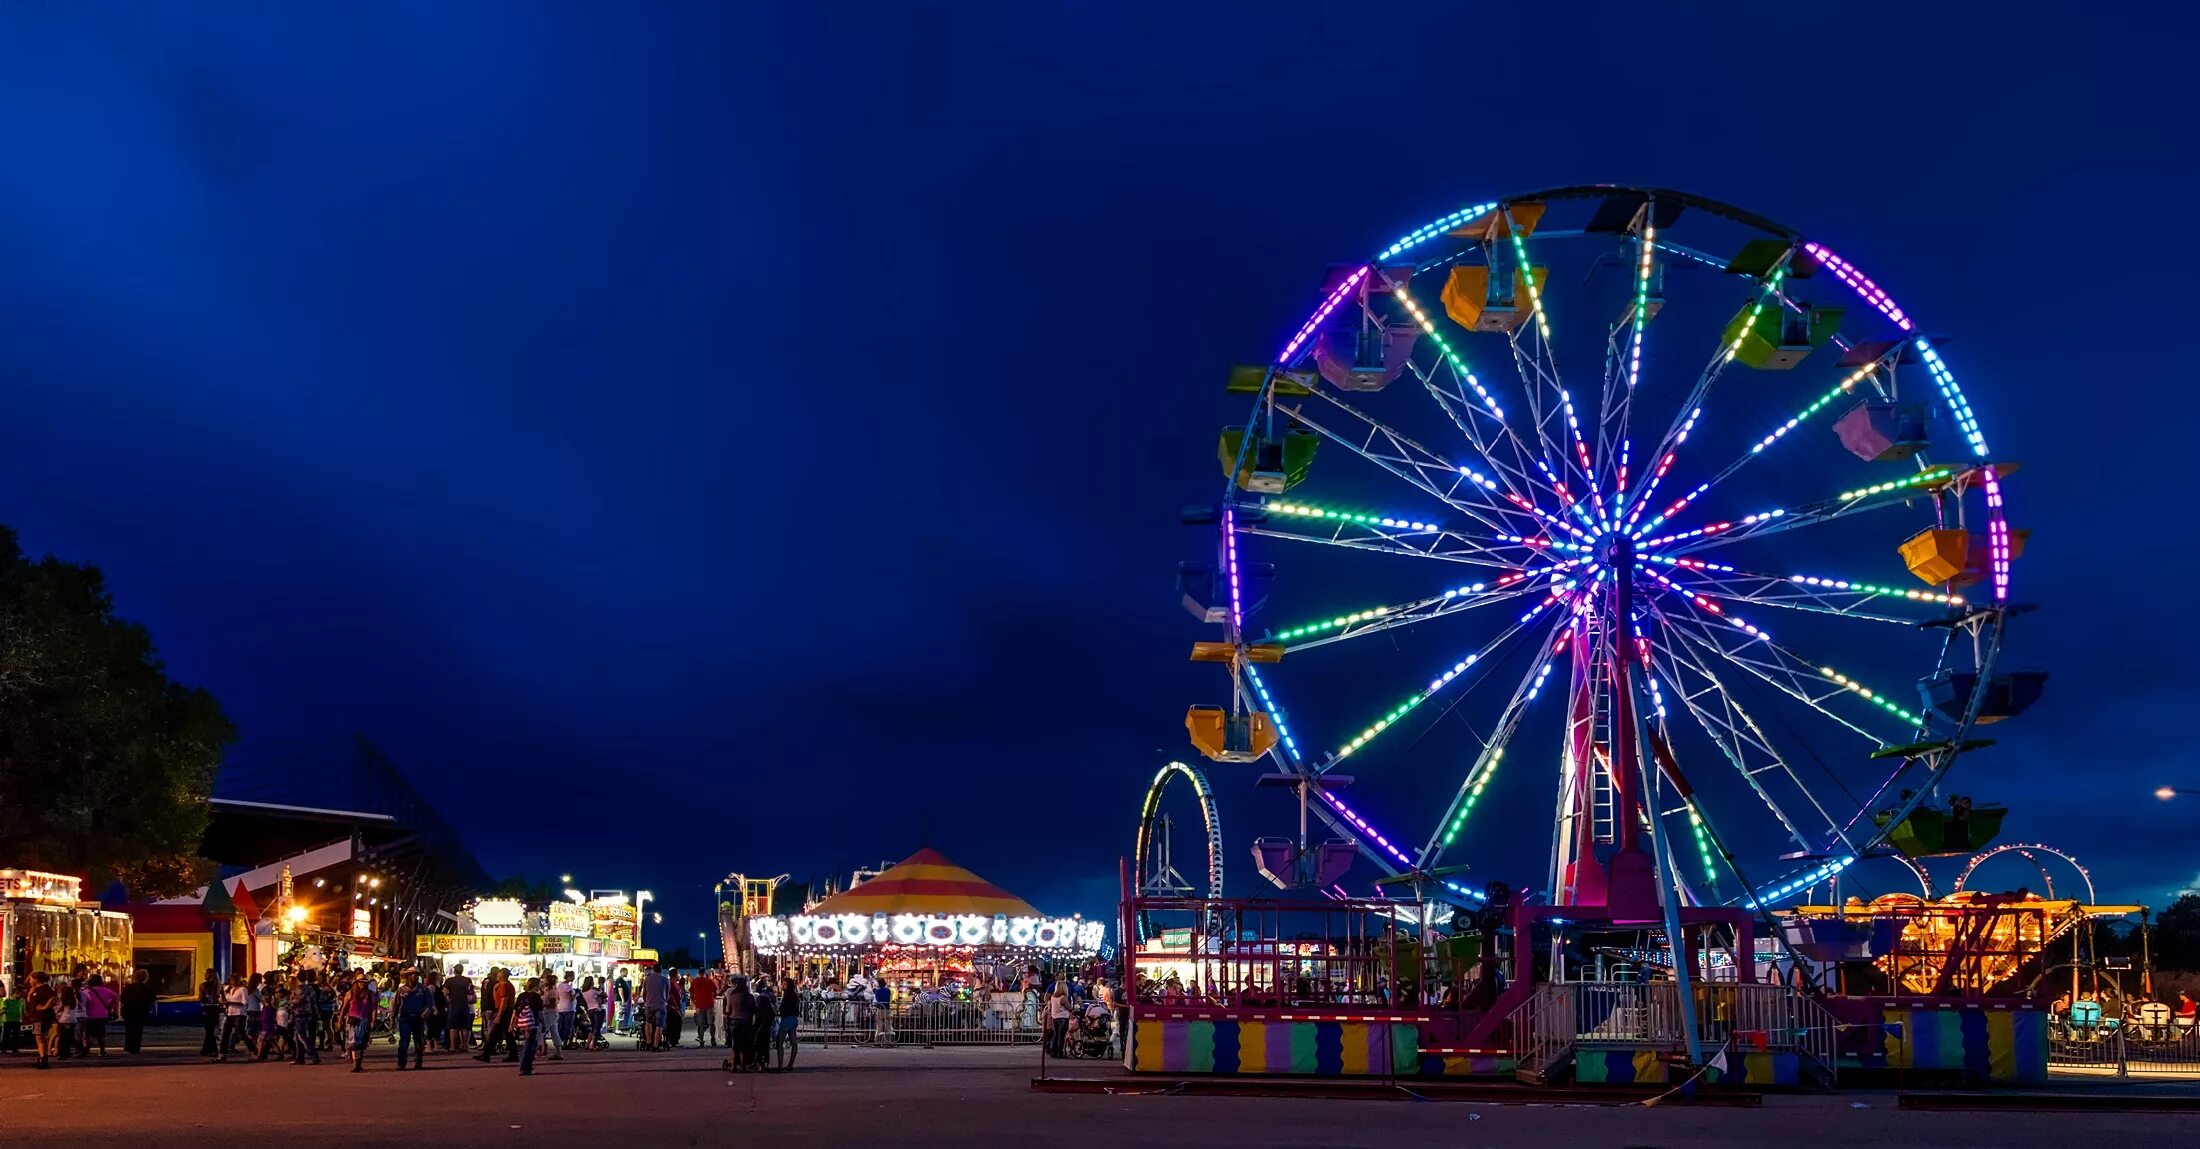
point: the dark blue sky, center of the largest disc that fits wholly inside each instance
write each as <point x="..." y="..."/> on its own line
<point x="767" y="426"/>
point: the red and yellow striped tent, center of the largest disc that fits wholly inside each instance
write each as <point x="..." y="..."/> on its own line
<point x="926" y="883"/>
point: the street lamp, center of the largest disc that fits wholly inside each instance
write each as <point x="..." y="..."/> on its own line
<point x="2165" y="793"/>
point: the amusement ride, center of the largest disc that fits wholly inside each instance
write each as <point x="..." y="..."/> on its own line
<point x="1689" y="479"/>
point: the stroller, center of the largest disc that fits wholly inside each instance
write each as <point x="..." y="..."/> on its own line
<point x="1091" y="1033"/>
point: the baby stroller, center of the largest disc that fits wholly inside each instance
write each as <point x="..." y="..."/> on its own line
<point x="1091" y="1033"/>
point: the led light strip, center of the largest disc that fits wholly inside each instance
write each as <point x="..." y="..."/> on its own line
<point x="1922" y="478"/>
<point x="1846" y="272"/>
<point x="1830" y="674"/>
<point x="1869" y="588"/>
<point x="1441" y="681"/>
<point x="1321" y="314"/>
<point x="1733" y="347"/>
<point x="1649" y="246"/>
<point x="1839" y="389"/>
<point x="1458" y="365"/>
<point x="1810" y="878"/>
<point x="1427" y="232"/>
<point x="1703" y="846"/>
<point x="1237" y="598"/>
<point x="1275" y="715"/>
<point x="1365" y="518"/>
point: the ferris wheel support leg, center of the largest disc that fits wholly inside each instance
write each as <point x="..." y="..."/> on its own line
<point x="1663" y="872"/>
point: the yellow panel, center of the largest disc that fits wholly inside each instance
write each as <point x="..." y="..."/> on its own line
<point x="1213" y="652"/>
<point x="1465" y="292"/>
<point x="1205" y="724"/>
<point x="1253" y="1048"/>
<point x="1520" y="283"/>
<point x="1936" y="556"/>
<point x="1146" y="1047"/>
<point x="1265" y="652"/>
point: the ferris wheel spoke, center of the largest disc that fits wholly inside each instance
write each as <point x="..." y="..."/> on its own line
<point x="1376" y="619"/>
<point x="1449" y="482"/>
<point x="1839" y="598"/>
<point x="1811" y="683"/>
<point x="1468" y="414"/>
<point x="1773" y="520"/>
<point x="1442" y="546"/>
<point x="1737" y="734"/>
<point x="1492" y="754"/>
<point x="1867" y="372"/>
<point x="1613" y="443"/>
<point x="1445" y="677"/>
<point x="1537" y="366"/>
<point x="1691" y="409"/>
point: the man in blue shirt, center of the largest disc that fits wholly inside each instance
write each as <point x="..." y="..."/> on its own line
<point x="411" y="1005"/>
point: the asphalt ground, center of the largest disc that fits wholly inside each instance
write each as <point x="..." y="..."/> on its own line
<point x="627" y="1099"/>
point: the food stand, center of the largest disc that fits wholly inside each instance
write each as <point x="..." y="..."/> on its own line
<point x="46" y="925"/>
<point x="557" y="939"/>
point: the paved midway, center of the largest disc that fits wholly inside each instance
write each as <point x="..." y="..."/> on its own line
<point x="898" y="1097"/>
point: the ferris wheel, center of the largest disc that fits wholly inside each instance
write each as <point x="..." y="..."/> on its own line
<point x="1678" y="516"/>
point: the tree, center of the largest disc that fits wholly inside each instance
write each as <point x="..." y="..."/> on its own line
<point x="2176" y="937"/>
<point x="679" y="957"/>
<point x="106" y="763"/>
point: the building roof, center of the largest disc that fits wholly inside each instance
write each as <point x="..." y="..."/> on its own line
<point x="926" y="882"/>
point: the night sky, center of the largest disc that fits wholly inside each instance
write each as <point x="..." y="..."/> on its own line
<point x="760" y="430"/>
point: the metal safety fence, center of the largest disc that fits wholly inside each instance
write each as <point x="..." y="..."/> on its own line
<point x="1006" y="1021"/>
<point x="2169" y="1050"/>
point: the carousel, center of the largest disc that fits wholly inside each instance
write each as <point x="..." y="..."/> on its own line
<point x="924" y="920"/>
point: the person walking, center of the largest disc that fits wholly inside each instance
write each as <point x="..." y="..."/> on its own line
<point x="498" y="999"/>
<point x="568" y="998"/>
<point x="11" y="1018"/>
<point x="42" y="1003"/>
<point x="786" y="1041"/>
<point x="622" y="993"/>
<point x="411" y="1007"/>
<point x="1058" y="1021"/>
<point x="458" y="996"/>
<point x="527" y="1021"/>
<point x="233" y="999"/>
<point x="740" y="1025"/>
<point x="359" y="1010"/>
<point x="137" y="1000"/>
<point x="305" y="1020"/>
<point x="703" y="991"/>
<point x="764" y="1026"/>
<point x="210" y="1015"/>
<point x="596" y="1000"/>
<point x="882" y="1001"/>
<point x="100" y="1004"/>
<point x="656" y="991"/>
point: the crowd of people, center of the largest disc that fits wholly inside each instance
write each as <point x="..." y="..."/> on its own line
<point x="510" y="1018"/>
<point x="66" y="1017"/>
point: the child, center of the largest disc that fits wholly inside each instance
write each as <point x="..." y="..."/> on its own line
<point x="11" y="1020"/>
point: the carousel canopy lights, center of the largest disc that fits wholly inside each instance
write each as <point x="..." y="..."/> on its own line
<point x="816" y="933"/>
<point x="925" y="900"/>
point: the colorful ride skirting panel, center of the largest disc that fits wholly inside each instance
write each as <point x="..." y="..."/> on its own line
<point x="1299" y="1048"/>
<point x="1655" y="1067"/>
<point x="1999" y="1046"/>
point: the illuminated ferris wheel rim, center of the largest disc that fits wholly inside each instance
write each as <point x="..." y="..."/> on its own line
<point x="1596" y="539"/>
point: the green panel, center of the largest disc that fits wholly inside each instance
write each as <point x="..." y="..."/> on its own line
<point x="1199" y="1047"/>
<point x="1298" y="455"/>
<point x="1246" y="380"/>
<point x="1824" y="321"/>
<point x="1920" y="835"/>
